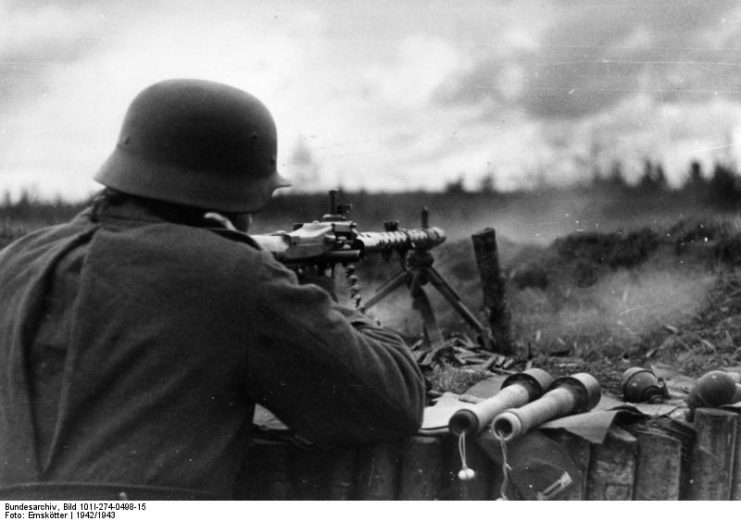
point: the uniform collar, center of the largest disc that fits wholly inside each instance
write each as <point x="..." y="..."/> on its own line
<point x="130" y="209"/>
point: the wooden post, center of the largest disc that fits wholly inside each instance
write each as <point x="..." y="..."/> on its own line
<point x="323" y="474"/>
<point x="736" y="494"/>
<point x="684" y="432"/>
<point x="713" y="454"/>
<point x="265" y="473"/>
<point x="487" y="258"/>
<point x="309" y="470"/>
<point x="421" y="470"/>
<point x="612" y="467"/>
<point x="341" y="475"/>
<point x="659" y="468"/>
<point x="378" y="472"/>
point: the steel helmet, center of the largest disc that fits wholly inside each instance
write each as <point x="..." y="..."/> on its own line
<point x="196" y="143"/>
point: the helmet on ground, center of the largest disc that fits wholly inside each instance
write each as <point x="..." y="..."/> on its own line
<point x="196" y="143"/>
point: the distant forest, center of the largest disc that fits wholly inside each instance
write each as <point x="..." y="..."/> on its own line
<point x="607" y="201"/>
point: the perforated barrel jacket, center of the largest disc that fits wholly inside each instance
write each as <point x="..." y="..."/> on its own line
<point x="133" y="350"/>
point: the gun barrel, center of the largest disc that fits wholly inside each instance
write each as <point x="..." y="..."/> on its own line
<point x="423" y="238"/>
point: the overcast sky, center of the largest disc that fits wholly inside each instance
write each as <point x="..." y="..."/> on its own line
<point x="384" y="94"/>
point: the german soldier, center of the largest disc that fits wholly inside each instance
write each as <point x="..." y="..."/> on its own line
<point x="136" y="339"/>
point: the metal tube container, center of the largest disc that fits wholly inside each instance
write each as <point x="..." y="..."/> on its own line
<point x="573" y="394"/>
<point x="518" y="389"/>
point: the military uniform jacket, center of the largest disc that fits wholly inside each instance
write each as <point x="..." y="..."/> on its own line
<point x="133" y="350"/>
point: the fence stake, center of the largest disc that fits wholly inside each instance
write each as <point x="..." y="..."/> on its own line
<point x="712" y="456"/>
<point x="659" y="470"/>
<point x="421" y="468"/>
<point x="487" y="258"/>
<point x="612" y="467"/>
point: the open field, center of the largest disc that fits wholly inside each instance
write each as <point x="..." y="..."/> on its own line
<point x="594" y="283"/>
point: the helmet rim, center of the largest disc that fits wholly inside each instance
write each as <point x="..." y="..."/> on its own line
<point x="197" y="143"/>
<point x="213" y="190"/>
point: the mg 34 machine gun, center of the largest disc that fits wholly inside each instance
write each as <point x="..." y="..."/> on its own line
<point x="335" y="240"/>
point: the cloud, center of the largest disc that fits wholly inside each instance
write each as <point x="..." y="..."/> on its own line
<point x="63" y="116"/>
<point x="39" y="38"/>
<point x="673" y="134"/>
<point x="595" y="54"/>
<point x="388" y="95"/>
<point x="420" y="68"/>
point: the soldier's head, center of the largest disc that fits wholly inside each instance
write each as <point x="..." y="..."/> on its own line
<point x="199" y="144"/>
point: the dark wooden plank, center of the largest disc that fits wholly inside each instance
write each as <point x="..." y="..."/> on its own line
<point x="659" y="466"/>
<point x="612" y="467"/>
<point x="341" y="475"/>
<point x="736" y="492"/>
<point x="421" y="471"/>
<point x="378" y="471"/>
<point x="265" y="472"/>
<point x="712" y="457"/>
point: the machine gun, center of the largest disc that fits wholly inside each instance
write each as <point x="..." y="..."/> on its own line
<point x="336" y="240"/>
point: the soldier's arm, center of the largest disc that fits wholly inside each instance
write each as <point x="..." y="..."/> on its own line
<point x="326" y="371"/>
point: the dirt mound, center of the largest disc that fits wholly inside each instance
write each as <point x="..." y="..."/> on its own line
<point x="604" y="302"/>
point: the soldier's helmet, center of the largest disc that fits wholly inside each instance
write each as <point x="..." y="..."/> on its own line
<point x="196" y="143"/>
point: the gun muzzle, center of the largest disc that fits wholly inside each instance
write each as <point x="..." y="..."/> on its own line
<point x="713" y="389"/>
<point x="518" y="389"/>
<point x="573" y="394"/>
<point x="642" y="385"/>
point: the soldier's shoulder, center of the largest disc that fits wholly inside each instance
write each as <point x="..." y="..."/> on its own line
<point x="21" y="239"/>
<point x="221" y="246"/>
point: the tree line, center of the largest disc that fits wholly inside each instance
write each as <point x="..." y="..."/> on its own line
<point x="718" y="189"/>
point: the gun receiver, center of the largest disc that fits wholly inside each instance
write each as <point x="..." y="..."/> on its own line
<point x="336" y="240"/>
